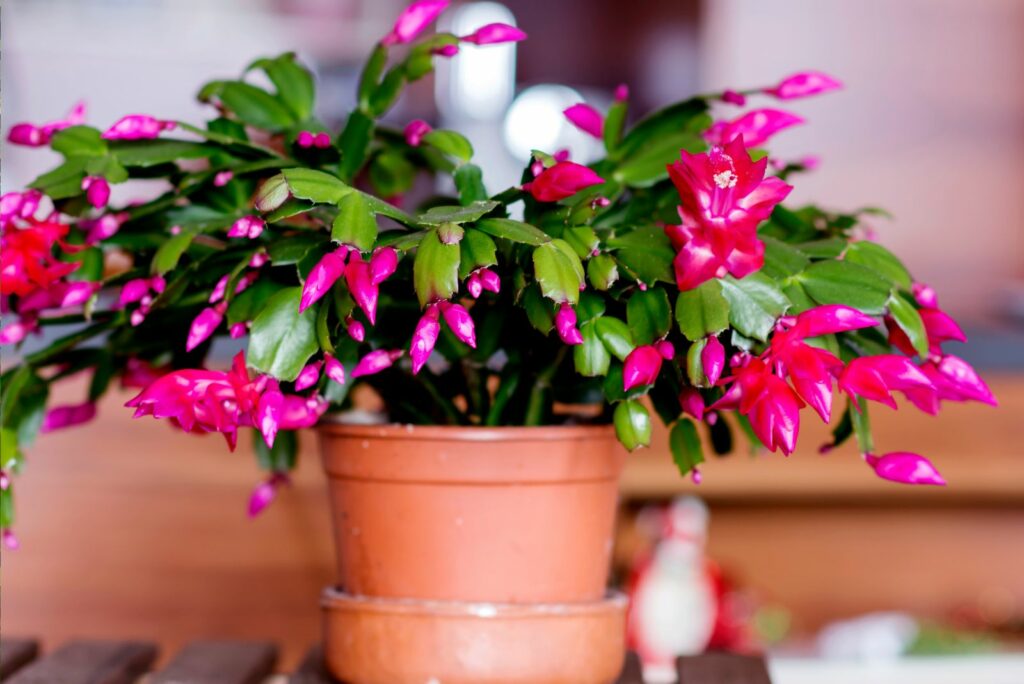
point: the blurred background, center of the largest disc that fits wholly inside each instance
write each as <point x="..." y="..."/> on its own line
<point x="130" y="529"/>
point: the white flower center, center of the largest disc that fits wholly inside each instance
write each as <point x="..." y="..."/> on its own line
<point x="725" y="179"/>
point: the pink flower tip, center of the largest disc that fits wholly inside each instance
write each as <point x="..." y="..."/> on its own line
<point x="586" y="118"/>
<point x="905" y="467"/>
<point x="641" y="367"/>
<point x="621" y="92"/>
<point x="415" y="130"/>
<point x="413" y="20"/>
<point x="804" y="84"/>
<point x="734" y="98"/>
<point x="492" y="34"/>
<point x="97" y="191"/>
<point x="565" y="325"/>
<point x="265" y="492"/>
<point x="562" y="180"/>
<point x="10" y="541"/>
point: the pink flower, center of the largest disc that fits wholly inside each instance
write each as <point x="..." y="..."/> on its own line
<point x="333" y="369"/>
<point x="298" y="413"/>
<point x="733" y="98"/>
<point x="954" y="380"/>
<point x="666" y="349"/>
<point x="268" y="413"/>
<point x="37" y="136"/>
<point x="15" y="205"/>
<point x="489" y="280"/>
<point x="474" y="286"/>
<point x="565" y="325"/>
<point x="308" y="376"/>
<point x="238" y="330"/>
<point x="621" y="93"/>
<point x="222" y="178"/>
<point x="768" y="402"/>
<point x="10" y="541"/>
<point x="355" y="330"/>
<point x="460" y="323"/>
<point x="926" y="296"/>
<point x="692" y="402"/>
<point x="830" y="319"/>
<point x="322" y="140"/>
<point x="139" y="373"/>
<point x="383" y="263"/>
<point x="446" y="51"/>
<point x="60" y="417"/>
<point x="712" y="359"/>
<point x="137" y="127"/>
<point x="803" y="84"/>
<point x="424" y="337"/>
<point x="247" y="227"/>
<point x="361" y="286"/>
<point x="905" y="467"/>
<point x="586" y="118"/>
<point x="376" y="361"/>
<point x="102" y="228"/>
<point x="265" y="492"/>
<point x="27" y="261"/>
<point x="724" y="197"/>
<point x="305" y="139"/>
<point x="259" y="260"/>
<point x="938" y="325"/>
<point x="562" y="180"/>
<point x="876" y="377"/>
<point x="492" y="34"/>
<point x="97" y="191"/>
<point x="415" y="130"/>
<point x="641" y="367"/>
<point x="413" y="20"/>
<point x="322" y="277"/>
<point x="755" y="127"/>
<point x="16" y="332"/>
<point x="204" y="325"/>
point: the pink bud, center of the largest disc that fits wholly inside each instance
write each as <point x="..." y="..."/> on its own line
<point x="203" y="326"/>
<point x="97" y="190"/>
<point x="905" y="467"/>
<point x="382" y="264"/>
<point x="10" y="541"/>
<point x="322" y="140"/>
<point x="308" y="376"/>
<point x="356" y="330"/>
<point x="562" y="180"/>
<point x="803" y="84"/>
<point x="77" y="293"/>
<point x="755" y="127"/>
<point x="586" y="118"/>
<point x="27" y="134"/>
<point x="830" y="319"/>
<point x="474" y="286"/>
<point x="104" y="227"/>
<point x="238" y="330"/>
<point x="361" y="287"/>
<point x="446" y="51"/>
<point x="621" y="92"/>
<point x="565" y="324"/>
<point x="334" y="369"/>
<point x="247" y="227"/>
<point x="219" y="290"/>
<point x="265" y="493"/>
<point x="692" y="402"/>
<point x="489" y="280"/>
<point x="5" y="481"/>
<point x="305" y="139"/>
<point x="641" y="367"/>
<point x="268" y="414"/>
<point x="259" y="260"/>
<point x="926" y="296"/>
<point x="223" y="178"/>
<point x="376" y="361"/>
<point x="415" y="130"/>
<point x="665" y="348"/>
<point x="734" y="98"/>
<point x="17" y="331"/>
<point x="60" y="417"/>
<point x="413" y="20"/>
<point x="133" y="291"/>
<point x="137" y="127"/>
<point x="424" y="337"/>
<point x="712" y="359"/>
<point x="494" y="33"/>
<point x="460" y="322"/>
<point x="696" y="477"/>
<point x="137" y="317"/>
<point x="322" y="277"/>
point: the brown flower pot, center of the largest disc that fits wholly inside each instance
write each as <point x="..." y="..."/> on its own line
<point x="476" y="546"/>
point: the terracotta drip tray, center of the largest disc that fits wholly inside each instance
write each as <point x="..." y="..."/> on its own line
<point x="406" y="641"/>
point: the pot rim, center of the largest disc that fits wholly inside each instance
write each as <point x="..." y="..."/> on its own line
<point x="466" y="433"/>
<point x="336" y="599"/>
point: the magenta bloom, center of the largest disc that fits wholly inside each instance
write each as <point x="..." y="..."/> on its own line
<point x="692" y="402"/>
<point x="32" y="135"/>
<point x="104" y="227"/>
<point x="905" y="467"/>
<point x="9" y="539"/>
<point x="803" y="84"/>
<point x="13" y="333"/>
<point x="383" y="263"/>
<point x="413" y="20"/>
<point x="424" y="338"/>
<point x="734" y="98"/>
<point x="768" y="402"/>
<point x="830" y="319"/>
<point x="460" y="323"/>
<point x="333" y="369"/>
<point x="97" y="191"/>
<point x="298" y="413"/>
<point x="712" y="359"/>
<point x="265" y="492"/>
<point x="483" y="279"/>
<point x="355" y="330"/>
<point x="562" y="180"/>
<point x="446" y="51"/>
<point x="204" y="325"/>
<point x="247" y="227"/>
<point x="322" y="277"/>
<point x="361" y="286"/>
<point x="222" y="178"/>
<point x="621" y="93"/>
<point x="586" y="118"/>
<point x="376" y="361"/>
<point x="939" y="327"/>
<point x="308" y="376"/>
<point x="492" y="34"/>
<point x="954" y="380"/>
<point x="268" y="413"/>
<point x="641" y="367"/>
<point x="565" y="324"/>
<point x="754" y="127"/>
<point x="876" y="377"/>
<point x="60" y="417"/>
<point x="724" y="197"/>
<point x="415" y="130"/>
<point x="137" y="127"/>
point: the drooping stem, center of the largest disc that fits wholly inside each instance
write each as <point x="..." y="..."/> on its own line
<point x="538" y="395"/>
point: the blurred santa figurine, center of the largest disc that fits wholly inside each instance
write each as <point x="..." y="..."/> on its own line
<point x="673" y="595"/>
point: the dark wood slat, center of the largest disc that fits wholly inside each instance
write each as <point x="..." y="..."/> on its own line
<point x="632" y="673"/>
<point x="723" y="668"/>
<point x="312" y="669"/>
<point x="220" y="662"/>
<point x="90" y="662"/>
<point x="16" y="654"/>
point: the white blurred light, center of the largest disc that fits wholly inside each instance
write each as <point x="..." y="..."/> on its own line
<point x="535" y="121"/>
<point x="479" y="81"/>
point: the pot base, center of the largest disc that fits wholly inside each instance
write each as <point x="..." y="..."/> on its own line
<point x="406" y="641"/>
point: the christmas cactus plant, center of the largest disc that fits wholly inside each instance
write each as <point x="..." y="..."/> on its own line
<point x="667" y="276"/>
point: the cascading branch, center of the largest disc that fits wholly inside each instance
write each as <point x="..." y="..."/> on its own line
<point x="669" y="270"/>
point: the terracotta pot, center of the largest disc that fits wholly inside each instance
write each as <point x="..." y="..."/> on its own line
<point x="506" y="515"/>
<point x="473" y="555"/>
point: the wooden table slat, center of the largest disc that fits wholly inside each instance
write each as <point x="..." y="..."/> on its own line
<point x="16" y="654"/>
<point x="220" y="662"/>
<point x="90" y="662"/>
<point x="722" y="668"/>
<point x="312" y="669"/>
